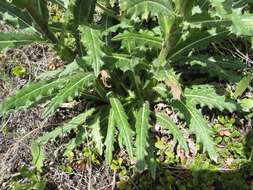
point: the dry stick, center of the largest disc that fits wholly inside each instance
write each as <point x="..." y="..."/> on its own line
<point x="15" y="146"/>
<point x="114" y="180"/>
<point x="241" y="55"/>
<point x="237" y="52"/>
<point x="89" y="160"/>
<point x="112" y="184"/>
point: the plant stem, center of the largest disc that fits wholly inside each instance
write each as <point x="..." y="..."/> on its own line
<point x="108" y="11"/>
<point x="168" y="42"/>
<point x="42" y="25"/>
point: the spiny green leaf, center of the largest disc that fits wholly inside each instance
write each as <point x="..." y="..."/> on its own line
<point x="38" y="10"/>
<point x="125" y="24"/>
<point x="124" y="62"/>
<point x="47" y="75"/>
<point x="96" y="135"/>
<point x="109" y="141"/>
<point x="77" y="141"/>
<point x="161" y="89"/>
<point x="59" y="131"/>
<point x="24" y="19"/>
<point x="151" y="159"/>
<point x="196" y="40"/>
<point x="147" y="7"/>
<point x="70" y="69"/>
<point x="37" y="155"/>
<point x="140" y="38"/>
<point x="72" y="89"/>
<point x="166" y="24"/>
<point x="224" y="62"/>
<point x="204" y="20"/>
<point x="207" y="95"/>
<point x="171" y="80"/>
<point x="92" y="40"/>
<point x="166" y="122"/>
<point x="243" y="85"/>
<point x="39" y="7"/>
<point x="31" y="94"/>
<point x="14" y="39"/>
<point x="224" y="69"/>
<point x="241" y="21"/>
<point x="247" y="104"/>
<point x="142" y="127"/>
<point x="126" y="133"/>
<point x="198" y="126"/>
<point x="80" y="12"/>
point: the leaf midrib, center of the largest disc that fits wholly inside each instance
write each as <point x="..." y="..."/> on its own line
<point x="203" y="97"/>
<point x="139" y="37"/>
<point x="75" y="84"/>
<point x="37" y="89"/>
<point x="65" y="92"/>
<point x="124" y="128"/>
<point x="142" y="146"/>
<point x="202" y="130"/>
<point x="151" y="2"/>
<point x="195" y="42"/>
<point x="175" y="131"/>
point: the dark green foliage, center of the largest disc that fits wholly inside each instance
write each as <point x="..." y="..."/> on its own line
<point x="127" y="62"/>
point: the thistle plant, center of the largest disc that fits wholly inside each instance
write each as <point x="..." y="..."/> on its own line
<point x="124" y="57"/>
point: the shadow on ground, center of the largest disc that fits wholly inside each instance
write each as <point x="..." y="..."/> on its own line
<point x="174" y="178"/>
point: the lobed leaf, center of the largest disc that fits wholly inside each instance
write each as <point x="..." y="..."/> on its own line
<point x="14" y="39"/>
<point x="125" y="132"/>
<point x="224" y="69"/>
<point x="147" y="7"/>
<point x="109" y="141"/>
<point x="38" y="155"/>
<point x="142" y="127"/>
<point x="166" y="122"/>
<point x="32" y="94"/>
<point x="207" y="95"/>
<point x="96" y="135"/>
<point x="70" y="90"/>
<point x="140" y="38"/>
<point x="171" y="80"/>
<point x="243" y="85"/>
<point x="196" y="40"/>
<point x="24" y="19"/>
<point x="76" y="141"/>
<point x="246" y="104"/>
<point x="198" y="126"/>
<point x="59" y="131"/>
<point x="92" y="40"/>
<point x="79" y="12"/>
<point x="151" y="159"/>
<point x="241" y="20"/>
